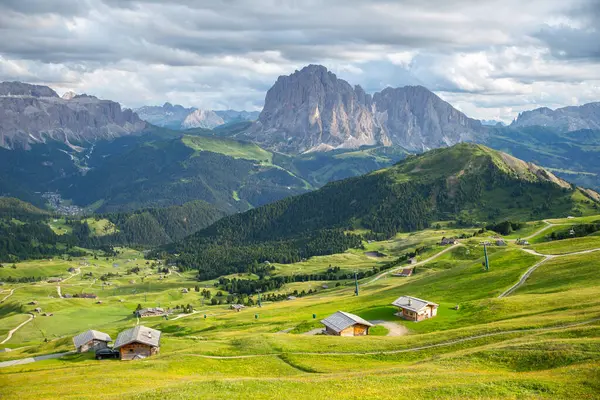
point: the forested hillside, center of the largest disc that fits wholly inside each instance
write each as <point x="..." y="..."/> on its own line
<point x="27" y="232"/>
<point x="468" y="183"/>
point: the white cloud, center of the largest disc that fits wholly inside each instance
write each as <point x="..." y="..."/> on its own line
<point x="484" y="57"/>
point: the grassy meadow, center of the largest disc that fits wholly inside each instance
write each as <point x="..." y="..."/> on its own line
<point x="541" y="342"/>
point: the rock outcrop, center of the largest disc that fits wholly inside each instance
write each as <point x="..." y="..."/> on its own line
<point x="564" y="119"/>
<point x="34" y="114"/>
<point x="313" y="110"/>
<point x="206" y="119"/>
<point x="417" y="119"/>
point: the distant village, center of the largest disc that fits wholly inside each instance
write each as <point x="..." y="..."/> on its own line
<point x="56" y="203"/>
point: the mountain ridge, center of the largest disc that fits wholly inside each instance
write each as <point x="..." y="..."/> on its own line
<point x="567" y="119"/>
<point x="314" y="110"/>
<point x="33" y="114"/>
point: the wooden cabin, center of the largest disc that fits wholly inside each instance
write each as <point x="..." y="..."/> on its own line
<point x="414" y="309"/>
<point x="448" y="241"/>
<point x="346" y="324"/>
<point x="138" y="343"/>
<point x="91" y="341"/>
<point x="237" y="307"/>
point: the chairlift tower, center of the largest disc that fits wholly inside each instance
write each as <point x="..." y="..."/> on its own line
<point x="485" y="254"/>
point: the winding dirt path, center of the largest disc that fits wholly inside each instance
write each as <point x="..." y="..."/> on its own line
<point x="533" y="268"/>
<point x="545" y="228"/>
<point x="447" y="249"/>
<point x="11" y="332"/>
<point x="393" y="328"/>
<point x="6" y="297"/>
<point x="412" y="349"/>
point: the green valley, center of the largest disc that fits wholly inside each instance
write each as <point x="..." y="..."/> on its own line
<point x="241" y="301"/>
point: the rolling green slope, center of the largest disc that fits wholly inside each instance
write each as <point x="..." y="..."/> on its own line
<point x="469" y="183"/>
<point x="574" y="156"/>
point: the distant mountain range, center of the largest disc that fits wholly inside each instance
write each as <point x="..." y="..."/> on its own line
<point x="179" y="118"/>
<point x="34" y="114"/>
<point x="313" y="110"/>
<point x="314" y="129"/>
<point x="566" y="119"/>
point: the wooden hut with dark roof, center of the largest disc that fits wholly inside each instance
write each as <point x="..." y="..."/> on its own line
<point x="138" y="342"/>
<point x="346" y="324"/>
<point x="91" y="341"/>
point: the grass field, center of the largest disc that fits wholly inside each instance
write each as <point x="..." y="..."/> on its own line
<point x="541" y="342"/>
<point x="228" y="147"/>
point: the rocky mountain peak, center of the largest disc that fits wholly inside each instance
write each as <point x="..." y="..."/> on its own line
<point x="25" y="89"/>
<point x="68" y="95"/>
<point x="34" y="114"/>
<point x="567" y="119"/>
<point x="206" y="119"/>
<point x="312" y="109"/>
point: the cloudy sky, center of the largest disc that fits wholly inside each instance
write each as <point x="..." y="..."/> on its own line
<point x="489" y="58"/>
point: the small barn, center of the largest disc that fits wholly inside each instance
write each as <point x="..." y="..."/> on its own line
<point x="346" y="324"/>
<point x="237" y="307"/>
<point x="91" y="340"/>
<point x="414" y="309"/>
<point x="404" y="273"/>
<point x="137" y="343"/>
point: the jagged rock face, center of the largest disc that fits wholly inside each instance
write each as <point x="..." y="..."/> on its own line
<point x="68" y="95"/>
<point x="168" y="116"/>
<point x="416" y="119"/>
<point x="237" y="116"/>
<point x="565" y="119"/>
<point x="12" y="89"/>
<point x="313" y="110"/>
<point x="34" y="114"/>
<point x="206" y="119"/>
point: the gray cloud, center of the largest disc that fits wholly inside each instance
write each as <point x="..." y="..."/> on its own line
<point x="226" y="53"/>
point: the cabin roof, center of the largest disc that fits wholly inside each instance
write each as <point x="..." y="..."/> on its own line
<point x="90" y="335"/>
<point x="415" y="305"/>
<point x="139" y="334"/>
<point x="342" y="320"/>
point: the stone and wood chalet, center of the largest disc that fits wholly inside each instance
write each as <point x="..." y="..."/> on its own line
<point x="346" y="324"/>
<point x="137" y="343"/>
<point x="91" y="340"/>
<point x="151" y="312"/>
<point x="415" y="309"/>
<point x="448" y="241"/>
<point x="237" y="307"/>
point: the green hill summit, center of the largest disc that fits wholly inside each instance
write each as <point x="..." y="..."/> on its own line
<point x="467" y="183"/>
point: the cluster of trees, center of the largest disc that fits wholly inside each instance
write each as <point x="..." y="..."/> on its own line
<point x="505" y="227"/>
<point x="213" y="258"/>
<point x="575" y="231"/>
<point x="23" y="279"/>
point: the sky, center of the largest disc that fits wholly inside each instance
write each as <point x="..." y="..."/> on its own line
<point x="489" y="58"/>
